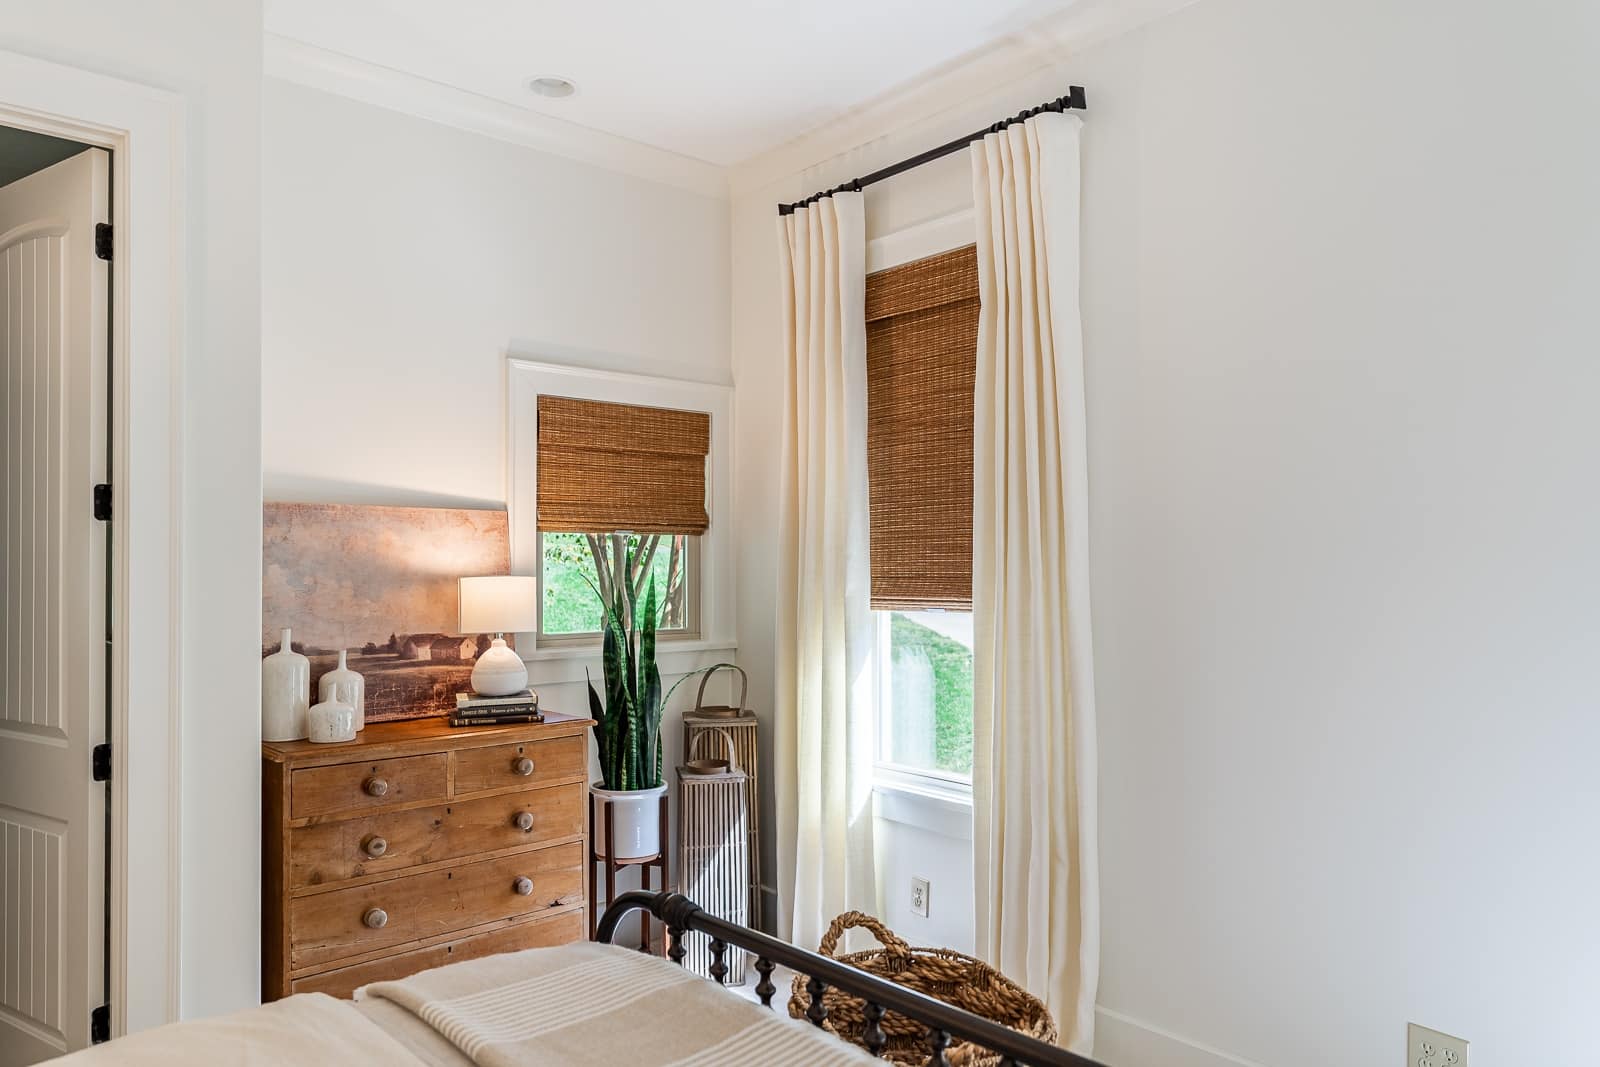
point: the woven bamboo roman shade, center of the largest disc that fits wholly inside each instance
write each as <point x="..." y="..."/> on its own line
<point x="922" y="341"/>
<point x="606" y="467"/>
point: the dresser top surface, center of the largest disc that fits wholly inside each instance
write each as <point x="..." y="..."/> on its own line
<point x="384" y="739"/>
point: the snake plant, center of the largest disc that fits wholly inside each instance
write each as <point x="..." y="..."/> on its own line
<point x="627" y="722"/>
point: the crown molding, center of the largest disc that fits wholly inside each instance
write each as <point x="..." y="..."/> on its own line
<point x="333" y="72"/>
<point x="984" y="75"/>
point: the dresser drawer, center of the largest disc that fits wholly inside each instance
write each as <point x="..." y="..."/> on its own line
<point x="514" y="766"/>
<point x="350" y="922"/>
<point x="390" y="841"/>
<point x="560" y="929"/>
<point x="363" y="786"/>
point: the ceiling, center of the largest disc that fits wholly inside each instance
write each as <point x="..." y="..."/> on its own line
<point x="715" y="80"/>
<point x="22" y="152"/>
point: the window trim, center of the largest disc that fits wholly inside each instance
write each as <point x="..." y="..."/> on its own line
<point x="591" y="638"/>
<point x="886" y="774"/>
<point x="526" y="379"/>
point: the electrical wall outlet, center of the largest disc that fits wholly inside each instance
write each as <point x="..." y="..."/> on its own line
<point x="1430" y="1048"/>
<point x="919" y="896"/>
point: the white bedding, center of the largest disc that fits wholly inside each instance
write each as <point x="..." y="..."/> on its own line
<point x="311" y="1028"/>
<point x="553" y="1007"/>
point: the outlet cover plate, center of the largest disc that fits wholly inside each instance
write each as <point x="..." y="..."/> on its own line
<point x="1430" y="1048"/>
<point x="919" y="896"/>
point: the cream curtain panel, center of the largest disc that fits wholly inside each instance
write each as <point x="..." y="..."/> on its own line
<point x="1033" y="777"/>
<point x="824" y="627"/>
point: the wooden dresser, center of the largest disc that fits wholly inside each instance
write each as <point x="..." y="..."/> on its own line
<point x="418" y="845"/>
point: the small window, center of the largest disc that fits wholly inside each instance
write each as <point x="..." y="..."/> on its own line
<point x="925" y="693"/>
<point x="576" y="569"/>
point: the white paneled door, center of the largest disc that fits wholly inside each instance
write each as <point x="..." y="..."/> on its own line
<point x="53" y="335"/>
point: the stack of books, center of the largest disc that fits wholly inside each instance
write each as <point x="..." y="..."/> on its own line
<point x="474" y="710"/>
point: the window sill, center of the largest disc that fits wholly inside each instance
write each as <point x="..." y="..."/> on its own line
<point x="581" y="649"/>
<point x="556" y="666"/>
<point x="925" y="803"/>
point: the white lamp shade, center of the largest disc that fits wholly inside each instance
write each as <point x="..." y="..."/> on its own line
<point x="507" y="603"/>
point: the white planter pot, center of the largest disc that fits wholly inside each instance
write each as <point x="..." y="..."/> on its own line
<point x="636" y="820"/>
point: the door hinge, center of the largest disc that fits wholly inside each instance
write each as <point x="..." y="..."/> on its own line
<point x="102" y="240"/>
<point x="100" y="1025"/>
<point x="101" y="763"/>
<point x="102" y="502"/>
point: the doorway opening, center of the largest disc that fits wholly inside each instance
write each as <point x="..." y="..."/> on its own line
<point x="56" y="243"/>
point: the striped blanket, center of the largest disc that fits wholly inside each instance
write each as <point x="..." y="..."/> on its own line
<point x="589" y="1003"/>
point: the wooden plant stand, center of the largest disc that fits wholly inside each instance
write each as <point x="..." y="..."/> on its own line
<point x="646" y="864"/>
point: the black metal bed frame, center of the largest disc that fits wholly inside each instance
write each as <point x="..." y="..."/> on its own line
<point x="944" y="1021"/>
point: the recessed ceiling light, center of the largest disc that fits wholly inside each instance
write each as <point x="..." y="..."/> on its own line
<point x="552" y="87"/>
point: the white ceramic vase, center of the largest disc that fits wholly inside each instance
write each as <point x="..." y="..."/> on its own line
<point x="285" y="693"/>
<point x="636" y="821"/>
<point x="347" y="687"/>
<point x="330" y="722"/>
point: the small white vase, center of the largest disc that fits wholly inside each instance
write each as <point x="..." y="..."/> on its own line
<point x="635" y="821"/>
<point x="285" y="693"/>
<point x="347" y="687"/>
<point x="331" y="721"/>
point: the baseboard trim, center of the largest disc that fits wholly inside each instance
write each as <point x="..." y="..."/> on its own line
<point x="1123" y="1041"/>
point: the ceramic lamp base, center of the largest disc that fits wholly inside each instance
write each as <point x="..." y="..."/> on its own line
<point x="499" y="672"/>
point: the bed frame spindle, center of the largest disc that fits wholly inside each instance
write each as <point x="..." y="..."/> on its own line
<point x="719" y="969"/>
<point x="872" y="1034"/>
<point x="765" y="988"/>
<point x="818" y="1011"/>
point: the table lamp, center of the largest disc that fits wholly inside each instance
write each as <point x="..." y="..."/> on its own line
<point x="502" y="604"/>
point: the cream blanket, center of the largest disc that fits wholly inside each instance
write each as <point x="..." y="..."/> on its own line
<point x="578" y="1004"/>
<point x="307" y="1029"/>
<point x="585" y="1004"/>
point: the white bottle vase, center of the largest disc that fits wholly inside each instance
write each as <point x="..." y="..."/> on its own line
<point x="285" y="693"/>
<point x="346" y="687"/>
<point x="331" y="721"/>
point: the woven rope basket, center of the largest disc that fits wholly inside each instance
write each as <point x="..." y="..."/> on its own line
<point x="957" y="979"/>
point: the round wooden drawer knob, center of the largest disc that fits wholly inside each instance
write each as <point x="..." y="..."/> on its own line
<point x="375" y="846"/>
<point x="522" y="765"/>
<point x="377" y="918"/>
<point x="523" y="820"/>
<point x="375" y="787"/>
<point x="523" y="886"/>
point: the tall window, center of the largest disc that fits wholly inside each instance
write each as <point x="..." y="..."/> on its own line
<point x="577" y="570"/>
<point x="922" y="337"/>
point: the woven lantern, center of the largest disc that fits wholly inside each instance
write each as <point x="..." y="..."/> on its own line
<point x="714" y="860"/>
<point x="739" y="723"/>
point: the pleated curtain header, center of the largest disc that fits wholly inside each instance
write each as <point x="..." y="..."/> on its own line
<point x="607" y="467"/>
<point x="922" y="340"/>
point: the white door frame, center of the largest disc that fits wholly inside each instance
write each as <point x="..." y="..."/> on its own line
<point x="144" y="129"/>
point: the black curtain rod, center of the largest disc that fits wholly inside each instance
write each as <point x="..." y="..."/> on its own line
<point x="1073" y="101"/>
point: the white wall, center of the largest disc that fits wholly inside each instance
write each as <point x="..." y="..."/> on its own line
<point x="210" y="54"/>
<point x="1340" y="259"/>
<point x="404" y="261"/>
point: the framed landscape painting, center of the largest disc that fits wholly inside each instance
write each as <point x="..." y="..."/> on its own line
<point x="380" y="584"/>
